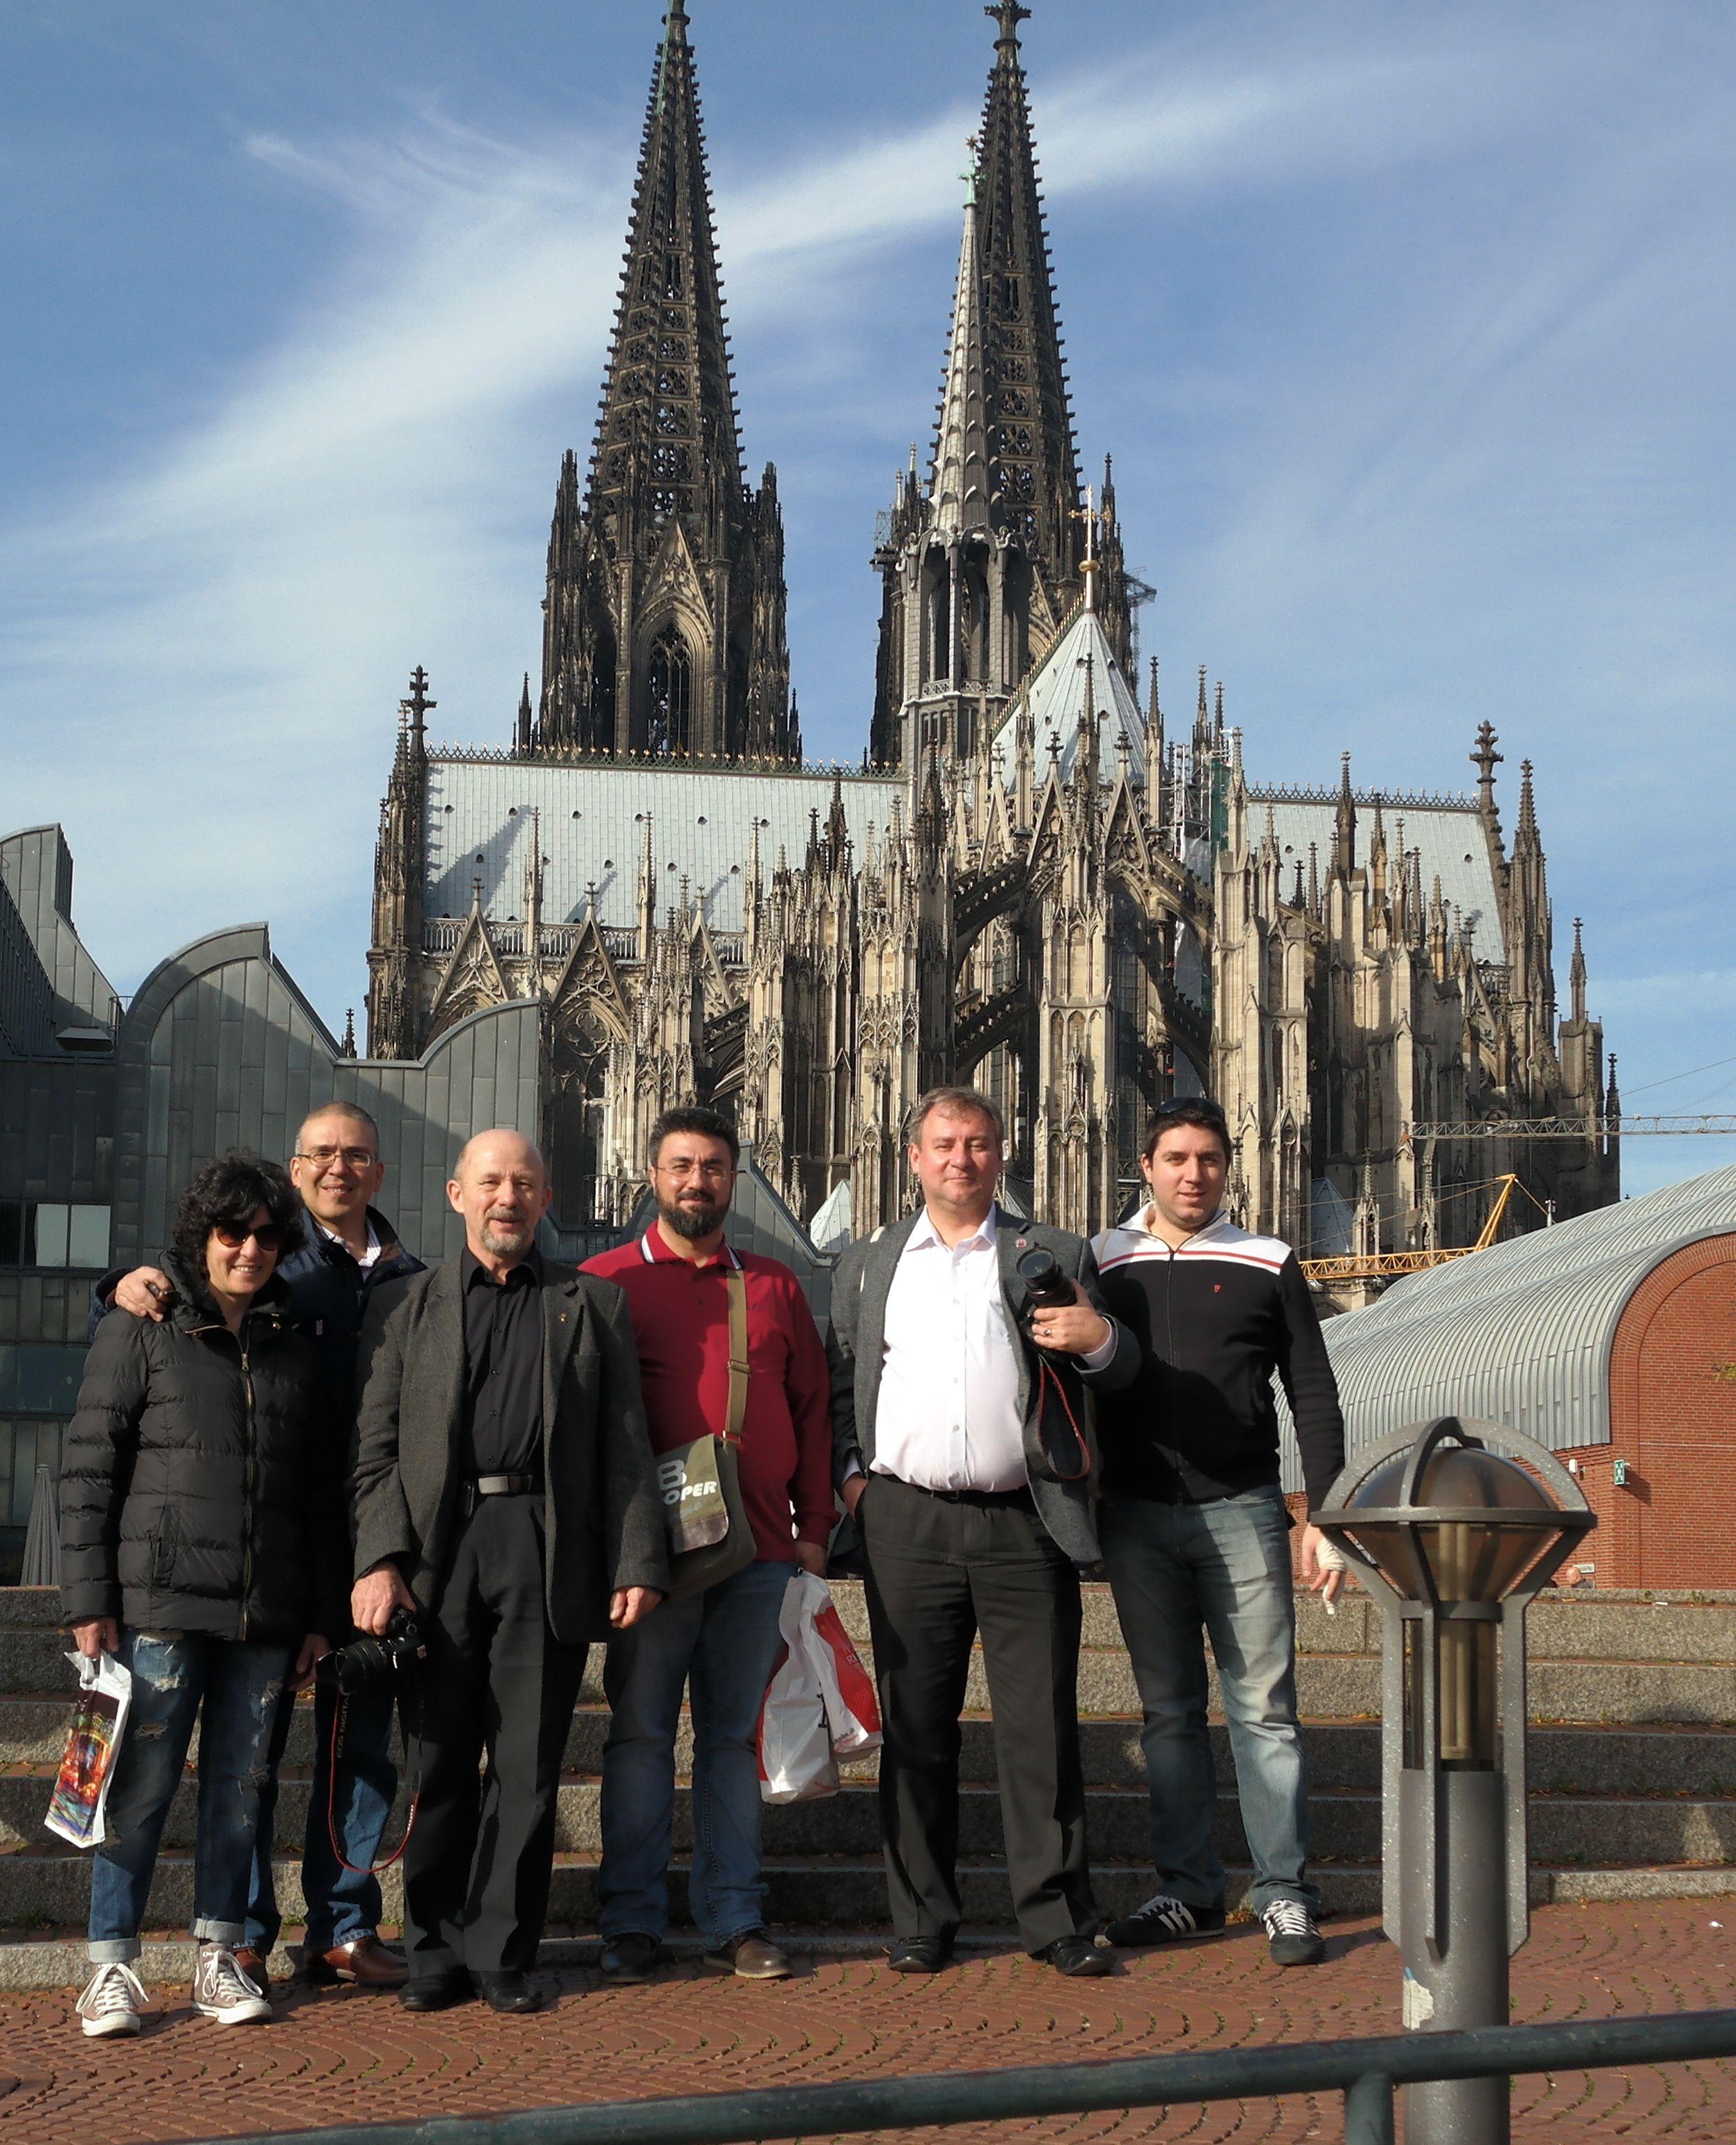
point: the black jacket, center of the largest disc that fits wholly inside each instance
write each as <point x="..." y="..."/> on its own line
<point x="330" y="1290"/>
<point x="201" y="1488"/>
<point x="603" y="1513"/>
<point x="1214" y="1320"/>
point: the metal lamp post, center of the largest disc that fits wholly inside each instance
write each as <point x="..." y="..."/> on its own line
<point x="1455" y="1541"/>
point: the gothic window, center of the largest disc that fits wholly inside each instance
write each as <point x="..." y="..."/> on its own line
<point x="576" y="1121"/>
<point x="735" y="705"/>
<point x="672" y="350"/>
<point x="670" y="682"/>
<point x="670" y="465"/>
<point x="672" y="280"/>
<point x="670" y="422"/>
<point x="600" y="713"/>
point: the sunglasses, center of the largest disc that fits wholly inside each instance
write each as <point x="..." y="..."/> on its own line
<point x="235" y="1234"/>
<point x="1195" y="1102"/>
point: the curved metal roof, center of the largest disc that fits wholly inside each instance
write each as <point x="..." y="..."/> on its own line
<point x="1521" y="1332"/>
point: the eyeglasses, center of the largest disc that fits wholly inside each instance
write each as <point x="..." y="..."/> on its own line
<point x="269" y="1236"/>
<point x="714" y="1172"/>
<point x="323" y="1157"/>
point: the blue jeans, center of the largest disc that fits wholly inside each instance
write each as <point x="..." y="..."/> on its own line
<point x="726" y="1641"/>
<point x="174" y="1674"/>
<point x="1223" y="1569"/>
<point x="342" y="1905"/>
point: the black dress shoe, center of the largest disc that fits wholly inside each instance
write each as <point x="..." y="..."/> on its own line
<point x="436" y="1992"/>
<point x="919" y="1955"/>
<point x="1079" y="1958"/>
<point x="513" y="1994"/>
<point x="629" y="1957"/>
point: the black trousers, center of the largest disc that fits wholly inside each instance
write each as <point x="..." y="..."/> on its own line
<point x="496" y="1685"/>
<point x="941" y="1569"/>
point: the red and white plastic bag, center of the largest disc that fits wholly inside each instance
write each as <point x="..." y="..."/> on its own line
<point x="820" y="1704"/>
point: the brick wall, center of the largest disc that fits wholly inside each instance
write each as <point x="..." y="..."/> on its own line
<point x="1673" y="1422"/>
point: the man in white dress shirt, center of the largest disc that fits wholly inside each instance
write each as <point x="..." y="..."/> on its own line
<point x="964" y="1450"/>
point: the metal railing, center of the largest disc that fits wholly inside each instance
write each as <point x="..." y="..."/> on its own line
<point x="1366" y="2072"/>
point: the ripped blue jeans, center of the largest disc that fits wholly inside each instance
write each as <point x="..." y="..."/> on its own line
<point x="173" y="1674"/>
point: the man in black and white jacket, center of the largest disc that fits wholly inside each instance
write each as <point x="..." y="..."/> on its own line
<point x="1196" y="1532"/>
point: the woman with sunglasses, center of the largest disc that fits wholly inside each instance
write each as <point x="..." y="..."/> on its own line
<point x="202" y="1542"/>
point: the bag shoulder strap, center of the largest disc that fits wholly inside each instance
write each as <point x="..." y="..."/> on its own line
<point x="737" y="1409"/>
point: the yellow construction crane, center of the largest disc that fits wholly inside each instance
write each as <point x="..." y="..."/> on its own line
<point x="1388" y="1266"/>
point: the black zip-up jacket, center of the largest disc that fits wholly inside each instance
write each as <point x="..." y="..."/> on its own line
<point x="1214" y="1320"/>
<point x="330" y="1291"/>
<point x="202" y="1486"/>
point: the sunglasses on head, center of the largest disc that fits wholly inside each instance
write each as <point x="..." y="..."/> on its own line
<point x="269" y="1236"/>
<point x="1197" y="1103"/>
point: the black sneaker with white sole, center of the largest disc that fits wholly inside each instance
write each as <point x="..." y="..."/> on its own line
<point x="1291" y="1934"/>
<point x="1163" y="1920"/>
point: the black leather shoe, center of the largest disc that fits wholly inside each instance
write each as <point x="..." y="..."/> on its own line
<point x="1077" y="1957"/>
<point x="919" y="1955"/>
<point x="629" y="1957"/>
<point x="436" y="1992"/>
<point x="513" y="1994"/>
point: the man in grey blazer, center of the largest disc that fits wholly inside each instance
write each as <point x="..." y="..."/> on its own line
<point x="504" y="1482"/>
<point x="963" y="1445"/>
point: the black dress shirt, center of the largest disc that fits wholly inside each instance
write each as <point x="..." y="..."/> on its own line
<point x="502" y="1358"/>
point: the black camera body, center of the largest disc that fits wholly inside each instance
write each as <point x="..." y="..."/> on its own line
<point x="371" y="1660"/>
<point x="1045" y="1284"/>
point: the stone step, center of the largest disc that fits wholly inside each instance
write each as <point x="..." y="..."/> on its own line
<point x="1579" y="1625"/>
<point x="1330" y="1687"/>
<point x="1344" y="1826"/>
<point x="51" y="1892"/>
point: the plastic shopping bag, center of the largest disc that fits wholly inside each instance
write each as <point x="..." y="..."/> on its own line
<point x="852" y="1710"/>
<point x="93" y="1742"/>
<point x="795" y="1764"/>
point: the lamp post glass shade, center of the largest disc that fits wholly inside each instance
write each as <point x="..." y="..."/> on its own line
<point x="1467" y="1557"/>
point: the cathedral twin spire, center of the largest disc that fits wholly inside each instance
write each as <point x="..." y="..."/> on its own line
<point x="665" y="621"/>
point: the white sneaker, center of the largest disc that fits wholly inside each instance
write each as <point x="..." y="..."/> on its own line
<point x="113" y="1998"/>
<point x="222" y="1992"/>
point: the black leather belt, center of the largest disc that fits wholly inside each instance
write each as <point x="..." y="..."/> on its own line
<point x="497" y="1485"/>
<point x="1019" y="1501"/>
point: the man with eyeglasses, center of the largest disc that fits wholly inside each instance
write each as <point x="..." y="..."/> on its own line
<point x="350" y="1250"/>
<point x="1196" y="1532"/>
<point x="722" y="1643"/>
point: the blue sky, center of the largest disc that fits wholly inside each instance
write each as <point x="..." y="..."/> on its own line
<point x="1409" y="328"/>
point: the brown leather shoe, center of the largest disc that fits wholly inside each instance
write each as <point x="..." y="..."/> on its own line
<point x="750" y="1957"/>
<point x="253" y="1965"/>
<point x="367" y="1964"/>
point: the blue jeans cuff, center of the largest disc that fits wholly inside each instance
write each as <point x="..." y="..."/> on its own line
<point x="113" y="1951"/>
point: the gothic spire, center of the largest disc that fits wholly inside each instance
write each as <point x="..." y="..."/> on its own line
<point x="961" y="453"/>
<point x="668" y="420"/>
<point x="1035" y="469"/>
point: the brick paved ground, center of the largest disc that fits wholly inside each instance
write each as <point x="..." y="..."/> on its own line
<point x="337" y="2056"/>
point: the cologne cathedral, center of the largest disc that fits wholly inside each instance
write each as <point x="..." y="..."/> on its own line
<point x="1039" y="879"/>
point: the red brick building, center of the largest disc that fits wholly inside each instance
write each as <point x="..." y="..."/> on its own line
<point x="1611" y="1338"/>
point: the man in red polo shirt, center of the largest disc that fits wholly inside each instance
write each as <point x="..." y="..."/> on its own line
<point x="722" y="1642"/>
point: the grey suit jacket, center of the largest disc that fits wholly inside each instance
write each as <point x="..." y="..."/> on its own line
<point x="857" y="1347"/>
<point x="603" y="1518"/>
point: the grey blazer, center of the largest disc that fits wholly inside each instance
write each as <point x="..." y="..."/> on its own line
<point x="604" y="1523"/>
<point x="857" y="1347"/>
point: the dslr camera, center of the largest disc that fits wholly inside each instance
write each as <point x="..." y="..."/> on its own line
<point x="369" y="1661"/>
<point x="1046" y="1286"/>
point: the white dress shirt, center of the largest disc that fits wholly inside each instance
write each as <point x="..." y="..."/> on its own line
<point x="368" y="1258"/>
<point x="947" y="1414"/>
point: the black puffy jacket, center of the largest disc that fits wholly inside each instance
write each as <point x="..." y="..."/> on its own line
<point x="202" y="1484"/>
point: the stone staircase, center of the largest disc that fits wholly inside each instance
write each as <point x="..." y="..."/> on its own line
<point x="1632" y="1759"/>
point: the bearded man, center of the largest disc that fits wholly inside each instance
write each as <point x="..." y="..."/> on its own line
<point x="721" y="1645"/>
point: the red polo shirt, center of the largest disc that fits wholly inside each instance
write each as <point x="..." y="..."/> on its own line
<point x="681" y="1321"/>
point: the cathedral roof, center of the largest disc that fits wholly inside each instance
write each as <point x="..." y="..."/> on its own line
<point x="1055" y="693"/>
<point x="1449" y="836"/>
<point x="593" y="826"/>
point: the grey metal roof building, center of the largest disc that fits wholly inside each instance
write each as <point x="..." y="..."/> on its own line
<point x="592" y="822"/>
<point x="1521" y="1333"/>
<point x="1446" y="833"/>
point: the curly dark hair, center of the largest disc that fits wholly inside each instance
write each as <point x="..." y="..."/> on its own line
<point x="230" y="1190"/>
